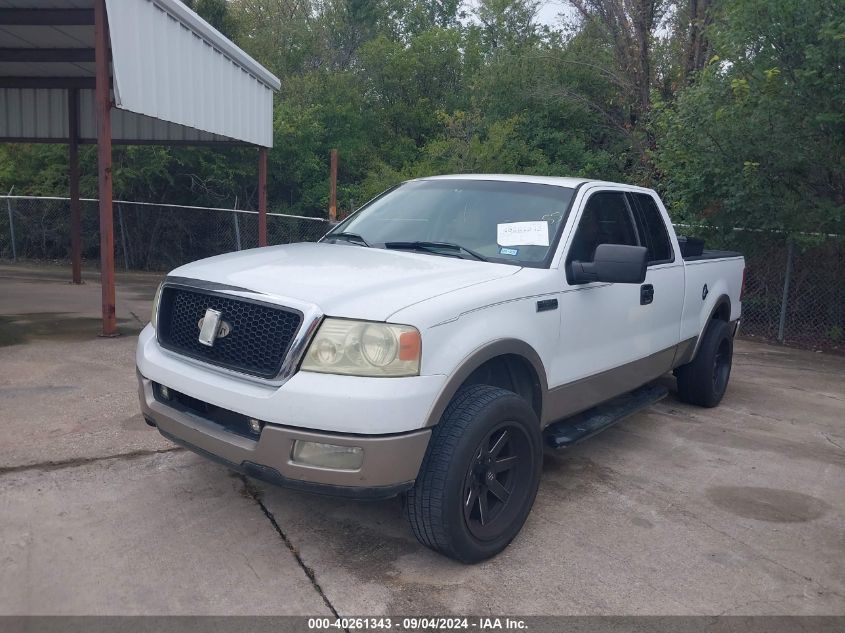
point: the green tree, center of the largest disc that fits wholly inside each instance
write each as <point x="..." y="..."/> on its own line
<point x="216" y="13"/>
<point x="733" y="107"/>
<point x="758" y="140"/>
<point x="507" y="24"/>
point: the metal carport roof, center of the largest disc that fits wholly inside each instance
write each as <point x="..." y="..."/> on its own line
<point x="175" y="77"/>
<point x="128" y="71"/>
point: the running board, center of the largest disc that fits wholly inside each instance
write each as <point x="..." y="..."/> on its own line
<point x="587" y="423"/>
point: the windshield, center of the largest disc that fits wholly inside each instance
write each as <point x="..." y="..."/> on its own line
<point x="507" y="222"/>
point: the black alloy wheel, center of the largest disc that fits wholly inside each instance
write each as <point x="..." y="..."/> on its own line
<point x="704" y="380"/>
<point x="722" y="366"/>
<point x="498" y="477"/>
<point x="479" y="476"/>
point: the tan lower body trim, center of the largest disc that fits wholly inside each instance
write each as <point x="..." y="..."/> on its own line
<point x="685" y="352"/>
<point x="574" y="397"/>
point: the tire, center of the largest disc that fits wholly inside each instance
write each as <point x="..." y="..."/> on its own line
<point x="704" y="380"/>
<point x="486" y="435"/>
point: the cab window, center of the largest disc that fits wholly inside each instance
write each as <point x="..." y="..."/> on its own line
<point x="605" y="220"/>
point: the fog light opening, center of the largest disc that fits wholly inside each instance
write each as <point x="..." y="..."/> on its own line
<point x="164" y="391"/>
<point x="255" y="426"/>
<point x="327" y="455"/>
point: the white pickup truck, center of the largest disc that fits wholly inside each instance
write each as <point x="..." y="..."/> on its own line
<point x="434" y="341"/>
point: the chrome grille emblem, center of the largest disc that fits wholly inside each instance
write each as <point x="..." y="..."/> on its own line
<point x="212" y="327"/>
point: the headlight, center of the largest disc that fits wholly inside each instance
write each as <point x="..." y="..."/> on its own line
<point x="364" y="348"/>
<point x="156" y="300"/>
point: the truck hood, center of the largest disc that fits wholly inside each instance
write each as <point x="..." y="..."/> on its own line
<point x="344" y="280"/>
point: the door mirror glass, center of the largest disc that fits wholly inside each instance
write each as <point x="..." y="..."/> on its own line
<point x="612" y="263"/>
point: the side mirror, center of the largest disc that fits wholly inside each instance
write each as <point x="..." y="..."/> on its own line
<point x="613" y="263"/>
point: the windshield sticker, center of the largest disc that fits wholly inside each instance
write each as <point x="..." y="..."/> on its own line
<point x="523" y="234"/>
<point x="509" y="251"/>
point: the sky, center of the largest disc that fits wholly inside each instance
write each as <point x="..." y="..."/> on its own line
<point x="549" y="10"/>
<point x="548" y="13"/>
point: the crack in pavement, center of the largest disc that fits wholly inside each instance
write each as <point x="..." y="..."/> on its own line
<point x="254" y="493"/>
<point x="82" y="461"/>
<point x="827" y="437"/>
<point x="250" y="489"/>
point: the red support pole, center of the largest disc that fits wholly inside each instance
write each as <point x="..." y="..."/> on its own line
<point x="262" y="196"/>
<point x="73" y="177"/>
<point x="102" y="97"/>
<point x="333" y="186"/>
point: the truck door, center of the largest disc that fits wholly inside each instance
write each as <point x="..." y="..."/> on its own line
<point x="611" y="335"/>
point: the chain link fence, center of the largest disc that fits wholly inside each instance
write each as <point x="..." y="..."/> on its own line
<point x="147" y="236"/>
<point x="794" y="286"/>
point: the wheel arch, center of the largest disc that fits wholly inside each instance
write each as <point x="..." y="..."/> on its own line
<point x="720" y="311"/>
<point x="518" y="356"/>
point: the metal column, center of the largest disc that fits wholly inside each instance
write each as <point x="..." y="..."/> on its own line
<point x="333" y="186"/>
<point x="262" y="196"/>
<point x="102" y="99"/>
<point x="787" y="276"/>
<point x="73" y="177"/>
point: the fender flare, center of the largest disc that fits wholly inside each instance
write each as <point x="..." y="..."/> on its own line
<point x="476" y="359"/>
<point x="723" y="300"/>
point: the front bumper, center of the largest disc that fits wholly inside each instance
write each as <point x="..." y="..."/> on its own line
<point x="390" y="464"/>
<point x="325" y="402"/>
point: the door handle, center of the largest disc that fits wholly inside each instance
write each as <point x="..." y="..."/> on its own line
<point x="646" y="294"/>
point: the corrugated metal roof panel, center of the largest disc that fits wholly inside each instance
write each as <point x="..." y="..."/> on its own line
<point x="28" y="113"/>
<point x="166" y="67"/>
<point x="39" y="113"/>
<point x="167" y="64"/>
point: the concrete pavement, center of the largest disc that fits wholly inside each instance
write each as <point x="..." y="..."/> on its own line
<point x="68" y="387"/>
<point x="159" y="534"/>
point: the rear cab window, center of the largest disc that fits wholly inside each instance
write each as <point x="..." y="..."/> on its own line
<point x="652" y="228"/>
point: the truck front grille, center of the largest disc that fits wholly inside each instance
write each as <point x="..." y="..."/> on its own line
<point x="259" y="335"/>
